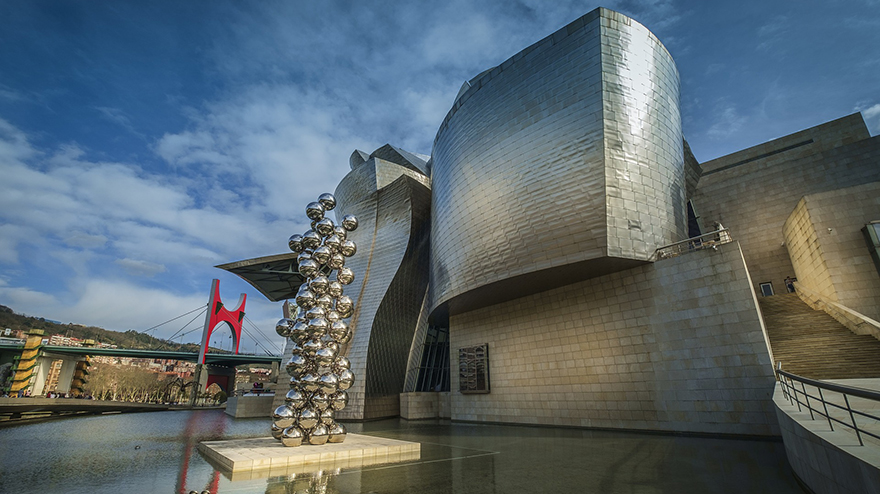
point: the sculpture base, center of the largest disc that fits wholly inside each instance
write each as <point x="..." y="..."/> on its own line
<point x="264" y="453"/>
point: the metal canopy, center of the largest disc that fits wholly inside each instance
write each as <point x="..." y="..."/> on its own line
<point x="276" y="276"/>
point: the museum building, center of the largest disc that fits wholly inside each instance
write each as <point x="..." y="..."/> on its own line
<point x="560" y="258"/>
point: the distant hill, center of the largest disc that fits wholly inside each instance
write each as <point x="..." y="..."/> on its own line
<point x="127" y="339"/>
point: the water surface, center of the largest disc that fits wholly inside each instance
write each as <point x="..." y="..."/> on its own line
<point x="157" y="452"/>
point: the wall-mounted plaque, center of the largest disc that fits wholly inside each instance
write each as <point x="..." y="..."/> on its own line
<point x="473" y="369"/>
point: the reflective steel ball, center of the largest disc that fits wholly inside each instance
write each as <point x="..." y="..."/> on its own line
<point x="332" y="242"/>
<point x="333" y="316"/>
<point x="339" y="331"/>
<point x="340" y="232"/>
<point x="318" y="327"/>
<point x="325" y="356"/>
<point x="337" y="433"/>
<point x="308" y="268"/>
<point x="334" y="289"/>
<point x="305" y="298"/>
<point x="325" y="301"/>
<point x="276" y="431"/>
<point x="322" y="254"/>
<point x="315" y="313"/>
<point x="348" y="248"/>
<point x="283" y="327"/>
<point x="292" y="436"/>
<point x="338" y="400"/>
<point x="310" y="383"/>
<point x="315" y="211"/>
<point x="311" y="240"/>
<point x="305" y="255"/>
<point x="345" y="276"/>
<point x="340" y="363"/>
<point x="344" y="305"/>
<point x="296" y="364"/>
<point x="336" y="261"/>
<point x="295" y="399"/>
<point x="319" y="436"/>
<point x="327" y="417"/>
<point x="308" y="418"/>
<point x="345" y="380"/>
<point x="329" y="383"/>
<point x="319" y="284"/>
<point x="328" y="201"/>
<point x="295" y="242"/>
<point x="284" y="416"/>
<point x="312" y="346"/>
<point x="300" y="331"/>
<point x="320" y="401"/>
<point x="325" y="227"/>
<point x="296" y="383"/>
<point x="349" y="222"/>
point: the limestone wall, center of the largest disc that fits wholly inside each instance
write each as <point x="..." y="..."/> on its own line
<point x="807" y="259"/>
<point x="253" y="406"/>
<point x="828" y="250"/>
<point x="677" y="346"/>
<point x="753" y="191"/>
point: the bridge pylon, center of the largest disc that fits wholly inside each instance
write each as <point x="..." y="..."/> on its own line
<point x="217" y="314"/>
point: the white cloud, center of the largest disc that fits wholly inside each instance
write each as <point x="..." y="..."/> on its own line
<point x="727" y="123"/>
<point x="21" y="298"/>
<point x="135" y="267"/>
<point x="871" y="114"/>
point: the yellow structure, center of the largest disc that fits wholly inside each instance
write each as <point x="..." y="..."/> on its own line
<point x="79" y="377"/>
<point x="25" y="364"/>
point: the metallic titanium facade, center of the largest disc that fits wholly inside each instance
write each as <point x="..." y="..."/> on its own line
<point x="563" y="163"/>
<point x="391" y="200"/>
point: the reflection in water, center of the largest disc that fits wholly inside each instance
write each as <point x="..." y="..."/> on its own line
<point x="157" y="452"/>
<point x="303" y="483"/>
<point x="190" y="445"/>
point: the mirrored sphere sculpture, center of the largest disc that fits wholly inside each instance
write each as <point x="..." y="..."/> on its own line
<point x="319" y="373"/>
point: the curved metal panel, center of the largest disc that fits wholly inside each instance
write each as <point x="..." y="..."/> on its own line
<point x="568" y="154"/>
<point x="391" y="202"/>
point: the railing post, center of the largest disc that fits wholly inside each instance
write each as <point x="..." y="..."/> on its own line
<point x="851" y="417"/>
<point x="807" y="399"/>
<point x="796" y="399"/>
<point x="822" y="397"/>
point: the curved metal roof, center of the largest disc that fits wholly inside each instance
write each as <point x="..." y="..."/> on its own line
<point x="276" y="276"/>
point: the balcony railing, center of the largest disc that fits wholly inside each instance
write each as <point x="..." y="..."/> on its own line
<point x="706" y="241"/>
<point x="833" y="403"/>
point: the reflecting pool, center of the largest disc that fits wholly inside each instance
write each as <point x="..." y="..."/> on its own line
<point x="157" y="452"/>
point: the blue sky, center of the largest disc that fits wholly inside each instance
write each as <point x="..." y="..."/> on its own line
<point x="142" y="143"/>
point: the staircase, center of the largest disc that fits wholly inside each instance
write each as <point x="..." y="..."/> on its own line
<point x="810" y="343"/>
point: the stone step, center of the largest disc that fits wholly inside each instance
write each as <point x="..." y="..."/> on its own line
<point x="812" y="344"/>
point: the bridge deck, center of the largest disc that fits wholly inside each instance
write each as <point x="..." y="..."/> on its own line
<point x="15" y="410"/>
<point x="224" y="359"/>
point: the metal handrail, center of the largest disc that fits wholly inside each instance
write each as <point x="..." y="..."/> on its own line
<point x="793" y="395"/>
<point x="706" y="241"/>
